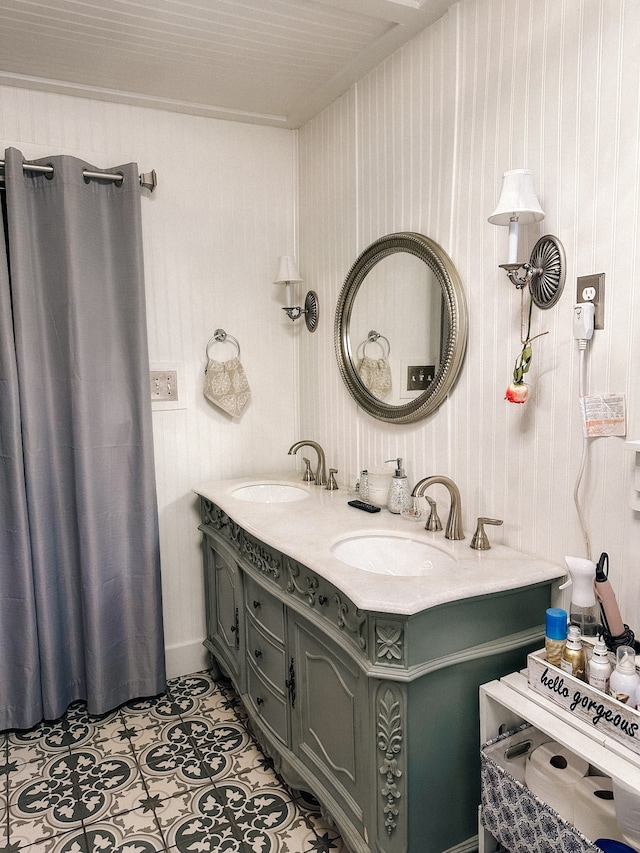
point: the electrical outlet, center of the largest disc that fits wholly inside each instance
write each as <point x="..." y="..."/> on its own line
<point x="164" y="385"/>
<point x="590" y="288"/>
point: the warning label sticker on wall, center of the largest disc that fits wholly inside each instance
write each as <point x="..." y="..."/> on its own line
<point x="603" y="414"/>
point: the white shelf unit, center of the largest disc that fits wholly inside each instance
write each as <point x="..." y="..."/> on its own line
<point x="509" y="702"/>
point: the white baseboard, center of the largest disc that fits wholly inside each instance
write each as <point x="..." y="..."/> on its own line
<point x="185" y="658"/>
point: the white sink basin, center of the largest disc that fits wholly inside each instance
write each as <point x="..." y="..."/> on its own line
<point x="270" y="493"/>
<point x="389" y="554"/>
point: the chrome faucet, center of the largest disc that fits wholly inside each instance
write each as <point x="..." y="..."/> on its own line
<point x="321" y="471"/>
<point x="454" y="522"/>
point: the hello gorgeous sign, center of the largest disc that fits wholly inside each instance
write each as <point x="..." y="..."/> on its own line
<point x="585" y="702"/>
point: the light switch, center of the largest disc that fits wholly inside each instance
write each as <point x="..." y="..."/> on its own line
<point x="164" y="385"/>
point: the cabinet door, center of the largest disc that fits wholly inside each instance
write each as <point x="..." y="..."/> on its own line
<point x="223" y="600"/>
<point x="330" y="719"/>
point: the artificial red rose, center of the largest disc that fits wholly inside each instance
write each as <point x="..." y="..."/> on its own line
<point x="517" y="392"/>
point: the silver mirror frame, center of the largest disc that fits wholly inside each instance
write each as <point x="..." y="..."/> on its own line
<point x="456" y="323"/>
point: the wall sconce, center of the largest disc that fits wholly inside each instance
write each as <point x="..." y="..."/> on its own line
<point x="544" y="273"/>
<point x="288" y="274"/>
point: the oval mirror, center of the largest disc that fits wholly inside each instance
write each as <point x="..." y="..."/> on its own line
<point x="401" y="327"/>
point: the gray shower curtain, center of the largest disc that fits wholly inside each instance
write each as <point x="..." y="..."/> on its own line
<point x="80" y="598"/>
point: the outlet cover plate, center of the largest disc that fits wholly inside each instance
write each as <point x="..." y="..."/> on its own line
<point x="590" y="288"/>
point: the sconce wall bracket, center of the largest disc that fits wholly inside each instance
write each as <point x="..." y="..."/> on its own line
<point x="544" y="274"/>
<point x="310" y="311"/>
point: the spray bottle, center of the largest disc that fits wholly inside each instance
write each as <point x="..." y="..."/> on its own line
<point x="573" y="658"/>
<point x="583" y="611"/>
<point x="555" y="634"/>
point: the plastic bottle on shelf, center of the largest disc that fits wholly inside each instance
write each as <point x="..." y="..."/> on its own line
<point x="625" y="680"/>
<point x="573" y="654"/>
<point x="555" y="634"/>
<point x="600" y="667"/>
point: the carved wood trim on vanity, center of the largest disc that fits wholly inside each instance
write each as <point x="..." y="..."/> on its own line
<point x="314" y="590"/>
<point x="355" y="623"/>
<point x="218" y="520"/>
<point x="307" y="589"/>
<point x="389" y="738"/>
<point x="390" y="643"/>
<point x="261" y="557"/>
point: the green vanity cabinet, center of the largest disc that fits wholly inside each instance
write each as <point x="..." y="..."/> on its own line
<point x="374" y="713"/>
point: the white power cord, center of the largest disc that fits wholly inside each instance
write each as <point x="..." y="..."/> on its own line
<point x="583" y="325"/>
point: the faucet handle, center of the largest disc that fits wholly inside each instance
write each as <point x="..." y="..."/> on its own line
<point x="332" y="484"/>
<point x="433" y="522"/>
<point x="308" y="475"/>
<point x="480" y="540"/>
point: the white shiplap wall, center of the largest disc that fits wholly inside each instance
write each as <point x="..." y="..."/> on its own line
<point x="224" y="209"/>
<point x="421" y="144"/>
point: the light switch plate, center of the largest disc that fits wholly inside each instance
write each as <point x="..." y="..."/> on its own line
<point x="167" y="386"/>
<point x="164" y="385"/>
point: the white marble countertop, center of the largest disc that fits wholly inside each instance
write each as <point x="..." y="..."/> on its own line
<point x="306" y="529"/>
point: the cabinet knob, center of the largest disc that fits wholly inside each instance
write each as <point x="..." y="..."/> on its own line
<point x="256" y="604"/>
<point x="258" y="653"/>
<point x="234" y="628"/>
<point x="322" y="599"/>
<point x="259" y="701"/>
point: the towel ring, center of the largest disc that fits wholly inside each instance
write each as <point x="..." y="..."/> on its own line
<point x="220" y="336"/>
<point x="374" y="338"/>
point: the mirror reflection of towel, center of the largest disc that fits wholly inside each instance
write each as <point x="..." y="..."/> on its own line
<point x="226" y="385"/>
<point x="375" y="374"/>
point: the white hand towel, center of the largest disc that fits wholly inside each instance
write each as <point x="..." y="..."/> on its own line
<point x="227" y="386"/>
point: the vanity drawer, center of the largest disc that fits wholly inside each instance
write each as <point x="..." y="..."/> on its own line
<point x="266" y="654"/>
<point x="264" y="608"/>
<point x="269" y="704"/>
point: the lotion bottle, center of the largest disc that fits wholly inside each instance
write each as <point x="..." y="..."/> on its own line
<point x="573" y="654"/>
<point x="600" y="667"/>
<point x="399" y="495"/>
<point x="624" y="681"/>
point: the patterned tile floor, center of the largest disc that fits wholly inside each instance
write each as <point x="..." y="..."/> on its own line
<point x="179" y="772"/>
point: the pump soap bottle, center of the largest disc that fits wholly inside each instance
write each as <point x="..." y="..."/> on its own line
<point x="399" y="495"/>
<point x="573" y="654"/>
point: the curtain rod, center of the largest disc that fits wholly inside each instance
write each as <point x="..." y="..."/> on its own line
<point x="149" y="180"/>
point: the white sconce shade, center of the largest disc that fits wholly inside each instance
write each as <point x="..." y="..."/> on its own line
<point x="518" y="204"/>
<point x="287" y="271"/>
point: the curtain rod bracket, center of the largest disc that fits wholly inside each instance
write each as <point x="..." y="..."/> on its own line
<point x="149" y="180"/>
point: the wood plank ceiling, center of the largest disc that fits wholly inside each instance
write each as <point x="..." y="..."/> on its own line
<point x="275" y="62"/>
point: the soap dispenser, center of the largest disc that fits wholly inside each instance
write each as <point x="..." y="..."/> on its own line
<point x="399" y="494"/>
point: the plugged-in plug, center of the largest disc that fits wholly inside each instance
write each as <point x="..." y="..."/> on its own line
<point x="583" y="321"/>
